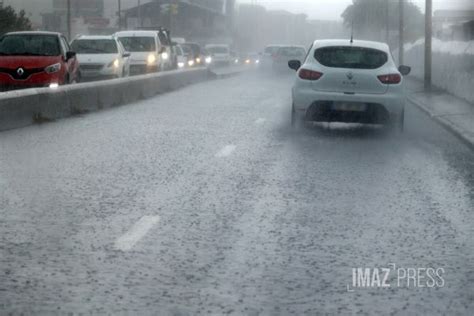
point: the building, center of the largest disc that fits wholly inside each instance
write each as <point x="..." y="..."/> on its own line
<point x="256" y="27"/>
<point x="454" y="24"/>
<point x="198" y="20"/>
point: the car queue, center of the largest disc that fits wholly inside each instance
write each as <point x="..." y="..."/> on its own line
<point x="47" y="59"/>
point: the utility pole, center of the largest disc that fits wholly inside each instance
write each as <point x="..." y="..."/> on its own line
<point x="68" y="19"/>
<point x="428" y="44"/>
<point x="120" y="15"/>
<point x="401" y="26"/>
<point x="387" y="22"/>
<point x="139" y="14"/>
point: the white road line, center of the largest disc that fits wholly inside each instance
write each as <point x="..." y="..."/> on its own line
<point x="226" y="151"/>
<point x="137" y="232"/>
<point x="260" y="121"/>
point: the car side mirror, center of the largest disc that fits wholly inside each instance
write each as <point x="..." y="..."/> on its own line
<point x="294" y="64"/>
<point x="162" y="50"/>
<point x="126" y="54"/>
<point x="404" y="70"/>
<point x="70" y="55"/>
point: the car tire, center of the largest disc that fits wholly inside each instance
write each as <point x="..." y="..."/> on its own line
<point x="401" y="122"/>
<point x="77" y="79"/>
<point x="396" y="125"/>
<point x="296" y="121"/>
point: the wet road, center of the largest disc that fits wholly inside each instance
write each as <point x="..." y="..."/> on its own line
<point x="205" y="201"/>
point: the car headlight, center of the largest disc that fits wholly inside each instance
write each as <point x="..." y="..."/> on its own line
<point x="151" y="59"/>
<point x="208" y="60"/>
<point x="165" y="56"/>
<point x="257" y="61"/>
<point x="198" y="60"/>
<point x="180" y="65"/>
<point x="115" y="64"/>
<point x="191" y="63"/>
<point x="236" y="61"/>
<point x="53" y="68"/>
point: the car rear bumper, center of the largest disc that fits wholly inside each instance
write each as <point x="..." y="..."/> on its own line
<point x="318" y="106"/>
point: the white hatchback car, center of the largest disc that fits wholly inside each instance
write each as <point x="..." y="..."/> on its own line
<point x="349" y="81"/>
<point x="101" y="57"/>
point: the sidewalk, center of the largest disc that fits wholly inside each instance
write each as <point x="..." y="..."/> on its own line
<point x="453" y="113"/>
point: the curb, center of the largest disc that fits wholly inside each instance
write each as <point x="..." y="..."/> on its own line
<point x="446" y="124"/>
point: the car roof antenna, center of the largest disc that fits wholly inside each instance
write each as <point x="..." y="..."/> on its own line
<point x="352" y="32"/>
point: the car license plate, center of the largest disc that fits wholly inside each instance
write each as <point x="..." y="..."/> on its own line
<point x="347" y="106"/>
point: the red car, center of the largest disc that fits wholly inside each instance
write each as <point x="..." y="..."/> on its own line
<point x="36" y="59"/>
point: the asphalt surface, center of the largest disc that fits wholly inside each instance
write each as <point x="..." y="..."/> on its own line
<point x="205" y="200"/>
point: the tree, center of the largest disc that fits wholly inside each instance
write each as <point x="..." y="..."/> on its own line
<point x="368" y="18"/>
<point x="13" y="21"/>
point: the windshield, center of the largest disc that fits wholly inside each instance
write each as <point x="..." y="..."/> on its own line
<point x="30" y="45"/>
<point x="186" y="49"/>
<point x="103" y="46"/>
<point x="350" y="57"/>
<point x="192" y="48"/>
<point x="138" y="44"/>
<point x="217" y="50"/>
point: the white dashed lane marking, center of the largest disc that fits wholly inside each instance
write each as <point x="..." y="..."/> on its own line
<point x="127" y="241"/>
<point x="226" y="151"/>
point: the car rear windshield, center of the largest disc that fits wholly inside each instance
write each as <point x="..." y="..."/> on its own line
<point x="218" y="50"/>
<point x="350" y="57"/>
<point x="271" y="49"/>
<point x="138" y="44"/>
<point x="294" y="52"/>
<point x="102" y="46"/>
<point x="30" y="45"/>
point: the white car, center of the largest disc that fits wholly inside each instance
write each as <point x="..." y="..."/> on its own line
<point x="219" y="53"/>
<point x="145" y="49"/>
<point x="181" y="59"/>
<point x="268" y="54"/>
<point x="349" y="81"/>
<point x="101" y="57"/>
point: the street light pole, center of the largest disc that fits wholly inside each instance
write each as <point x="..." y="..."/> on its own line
<point x="120" y="15"/>
<point x="68" y="19"/>
<point x="139" y="15"/>
<point x="387" y="21"/>
<point x="401" y="15"/>
<point x="428" y="43"/>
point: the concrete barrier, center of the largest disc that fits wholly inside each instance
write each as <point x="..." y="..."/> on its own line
<point x="25" y="107"/>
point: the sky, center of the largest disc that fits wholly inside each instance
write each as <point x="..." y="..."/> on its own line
<point x="332" y="9"/>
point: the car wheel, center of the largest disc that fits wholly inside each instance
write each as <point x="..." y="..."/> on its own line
<point x="296" y="121"/>
<point x="401" y="122"/>
<point x="77" y="79"/>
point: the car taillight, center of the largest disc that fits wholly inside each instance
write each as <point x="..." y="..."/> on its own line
<point x="390" y="78"/>
<point x="306" y="74"/>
